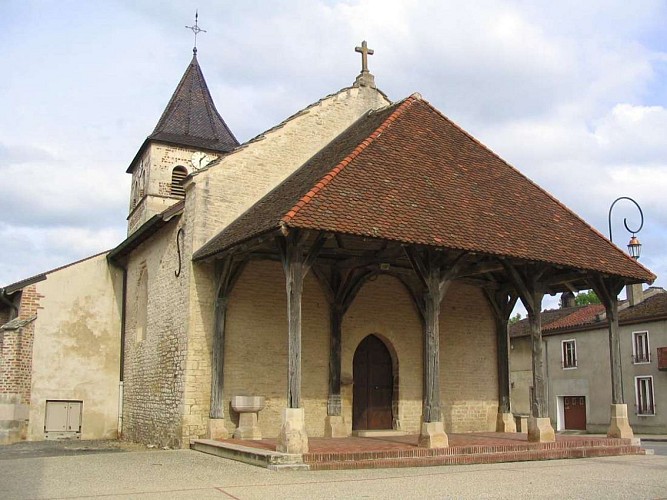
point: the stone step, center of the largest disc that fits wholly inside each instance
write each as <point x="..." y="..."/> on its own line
<point x="254" y="456"/>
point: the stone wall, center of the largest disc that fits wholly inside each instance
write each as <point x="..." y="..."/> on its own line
<point x="155" y="359"/>
<point x="215" y="196"/>
<point x="256" y="353"/>
<point x="151" y="181"/>
<point x="227" y="189"/>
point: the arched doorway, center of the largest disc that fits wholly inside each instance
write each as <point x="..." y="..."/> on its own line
<point x="373" y="386"/>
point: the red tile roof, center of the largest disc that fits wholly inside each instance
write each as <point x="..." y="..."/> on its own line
<point x="408" y="174"/>
<point x="592" y="316"/>
<point x="581" y="316"/>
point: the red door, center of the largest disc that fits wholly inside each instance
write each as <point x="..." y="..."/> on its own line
<point x="575" y="412"/>
<point x="373" y="386"/>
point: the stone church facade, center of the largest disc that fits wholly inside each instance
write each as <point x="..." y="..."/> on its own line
<point x="354" y="266"/>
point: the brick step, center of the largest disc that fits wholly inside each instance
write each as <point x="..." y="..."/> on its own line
<point x="409" y="453"/>
<point x="382" y="461"/>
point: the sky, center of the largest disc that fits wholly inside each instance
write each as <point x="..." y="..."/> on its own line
<point x="572" y="93"/>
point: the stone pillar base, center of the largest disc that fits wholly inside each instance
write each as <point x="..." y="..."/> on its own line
<point x="505" y="423"/>
<point x="248" y="428"/>
<point x="334" y="427"/>
<point x="619" y="427"/>
<point x="433" y="435"/>
<point x="217" y="429"/>
<point x="293" y="437"/>
<point x="540" y="430"/>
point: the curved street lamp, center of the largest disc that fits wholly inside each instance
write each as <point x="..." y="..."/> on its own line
<point x="634" y="246"/>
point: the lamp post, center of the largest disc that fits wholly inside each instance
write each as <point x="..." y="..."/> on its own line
<point x="634" y="246"/>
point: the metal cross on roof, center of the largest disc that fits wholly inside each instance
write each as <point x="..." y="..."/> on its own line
<point x="365" y="52"/>
<point x="196" y="30"/>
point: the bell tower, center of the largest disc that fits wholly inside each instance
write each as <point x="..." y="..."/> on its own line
<point x="189" y="135"/>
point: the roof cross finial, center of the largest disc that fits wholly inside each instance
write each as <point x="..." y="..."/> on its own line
<point x="365" y="52"/>
<point x="196" y="30"/>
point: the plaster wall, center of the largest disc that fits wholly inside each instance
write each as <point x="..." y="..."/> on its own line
<point x="521" y="375"/>
<point x="76" y="351"/>
<point x="592" y="377"/>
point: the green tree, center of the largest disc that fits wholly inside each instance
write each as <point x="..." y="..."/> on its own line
<point x="586" y="298"/>
<point x="515" y="319"/>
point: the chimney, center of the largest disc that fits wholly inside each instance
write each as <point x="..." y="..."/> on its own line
<point x="634" y="294"/>
<point x="567" y="300"/>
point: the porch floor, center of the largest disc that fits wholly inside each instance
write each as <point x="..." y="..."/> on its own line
<point x="402" y="451"/>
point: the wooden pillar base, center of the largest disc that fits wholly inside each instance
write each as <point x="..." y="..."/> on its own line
<point x="334" y="427"/>
<point x="217" y="429"/>
<point x="619" y="427"/>
<point x="540" y="430"/>
<point x="293" y="438"/>
<point x="433" y="435"/>
<point x="505" y="423"/>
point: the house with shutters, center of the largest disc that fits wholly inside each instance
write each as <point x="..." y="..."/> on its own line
<point x="352" y="268"/>
<point x="576" y="343"/>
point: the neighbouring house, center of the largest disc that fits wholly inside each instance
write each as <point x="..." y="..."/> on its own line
<point x="576" y="347"/>
<point x="352" y="268"/>
<point x="60" y="353"/>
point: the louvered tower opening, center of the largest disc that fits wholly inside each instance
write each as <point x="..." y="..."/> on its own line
<point x="178" y="175"/>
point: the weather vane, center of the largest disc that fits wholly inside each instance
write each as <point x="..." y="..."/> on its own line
<point x="196" y="30"/>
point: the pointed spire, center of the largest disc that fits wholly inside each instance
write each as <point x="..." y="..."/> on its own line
<point x="191" y="118"/>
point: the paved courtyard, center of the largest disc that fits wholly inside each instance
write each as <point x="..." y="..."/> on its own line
<point x="184" y="474"/>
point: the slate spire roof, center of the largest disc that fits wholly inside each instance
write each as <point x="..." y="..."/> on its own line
<point x="191" y="118"/>
<point x="406" y="173"/>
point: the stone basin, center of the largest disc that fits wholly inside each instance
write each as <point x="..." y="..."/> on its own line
<point x="246" y="404"/>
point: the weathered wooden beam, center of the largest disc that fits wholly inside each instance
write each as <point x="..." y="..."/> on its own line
<point x="531" y="293"/>
<point x="502" y="305"/>
<point x="227" y="273"/>
<point x="607" y="289"/>
<point x="296" y="260"/>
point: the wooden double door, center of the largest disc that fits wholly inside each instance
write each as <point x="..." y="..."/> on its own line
<point x="575" y="412"/>
<point x="373" y="386"/>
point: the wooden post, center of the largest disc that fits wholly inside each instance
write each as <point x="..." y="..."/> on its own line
<point x="227" y="273"/>
<point x="436" y="273"/>
<point x="538" y="405"/>
<point x="218" y="359"/>
<point x="527" y="285"/>
<point x="334" y="404"/>
<point x="296" y="264"/>
<point x="502" y="304"/>
<point x="432" y="299"/>
<point x="607" y="291"/>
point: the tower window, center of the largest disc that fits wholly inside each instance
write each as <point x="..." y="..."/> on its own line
<point x="178" y="175"/>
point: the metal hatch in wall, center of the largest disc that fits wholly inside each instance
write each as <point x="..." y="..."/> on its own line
<point x="63" y="419"/>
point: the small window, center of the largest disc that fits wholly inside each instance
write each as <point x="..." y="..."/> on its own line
<point x="569" y="354"/>
<point x="641" y="352"/>
<point x="644" y="396"/>
<point x="178" y="175"/>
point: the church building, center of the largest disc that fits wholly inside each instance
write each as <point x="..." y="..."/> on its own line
<point x="351" y="269"/>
